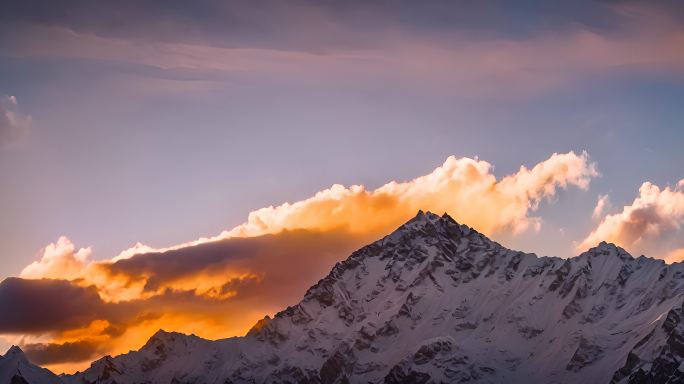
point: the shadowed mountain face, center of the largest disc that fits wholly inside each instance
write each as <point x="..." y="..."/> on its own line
<point x="436" y="301"/>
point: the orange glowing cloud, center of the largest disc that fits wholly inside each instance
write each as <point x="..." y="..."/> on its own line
<point x="675" y="256"/>
<point x="642" y="225"/>
<point x="60" y="260"/>
<point x="465" y="187"/>
<point x="219" y="286"/>
<point x="215" y="290"/>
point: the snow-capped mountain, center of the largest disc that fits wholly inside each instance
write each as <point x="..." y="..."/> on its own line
<point x="435" y="302"/>
<point x="15" y="368"/>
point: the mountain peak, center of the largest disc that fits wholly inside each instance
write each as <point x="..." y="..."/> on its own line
<point x="15" y="351"/>
<point x="428" y="225"/>
<point x="164" y="339"/>
<point x="424" y="216"/>
<point x="161" y="333"/>
<point x="16" y="368"/>
<point x="160" y="337"/>
<point x="609" y="249"/>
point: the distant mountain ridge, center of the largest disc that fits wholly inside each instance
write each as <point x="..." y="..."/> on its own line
<point x="438" y="302"/>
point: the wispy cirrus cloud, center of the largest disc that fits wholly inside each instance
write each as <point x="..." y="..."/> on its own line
<point x="602" y="205"/>
<point x="644" y="38"/>
<point x="13" y="124"/>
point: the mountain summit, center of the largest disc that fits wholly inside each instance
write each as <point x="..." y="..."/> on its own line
<point x="15" y="368"/>
<point x="436" y="301"/>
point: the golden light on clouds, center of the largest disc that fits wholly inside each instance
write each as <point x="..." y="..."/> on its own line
<point x="675" y="256"/>
<point x="60" y="260"/>
<point x="464" y="187"/>
<point x="219" y="286"/>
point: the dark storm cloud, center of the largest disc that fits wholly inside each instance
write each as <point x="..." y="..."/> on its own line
<point x="45" y="305"/>
<point x="50" y="305"/>
<point x="42" y="306"/>
<point x="53" y="353"/>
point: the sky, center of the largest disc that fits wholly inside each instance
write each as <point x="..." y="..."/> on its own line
<point x="194" y="166"/>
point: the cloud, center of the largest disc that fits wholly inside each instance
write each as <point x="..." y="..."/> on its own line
<point x="54" y="353"/>
<point x="643" y="225"/>
<point x="389" y="45"/>
<point x="216" y="290"/>
<point x="219" y="286"/>
<point x="46" y="305"/>
<point x="602" y="205"/>
<point x="675" y="256"/>
<point x="13" y="125"/>
<point x="60" y="260"/>
<point x="464" y="187"/>
<point x="271" y="24"/>
<point x="317" y="26"/>
<point x="235" y="268"/>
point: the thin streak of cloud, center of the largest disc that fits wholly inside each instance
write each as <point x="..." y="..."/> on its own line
<point x="602" y="205"/>
<point x="480" y="68"/>
<point x="13" y="125"/>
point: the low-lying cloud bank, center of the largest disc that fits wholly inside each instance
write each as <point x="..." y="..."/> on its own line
<point x="219" y="286"/>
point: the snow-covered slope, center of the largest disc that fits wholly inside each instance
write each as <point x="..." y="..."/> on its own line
<point x="436" y="301"/>
<point x="15" y="368"/>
